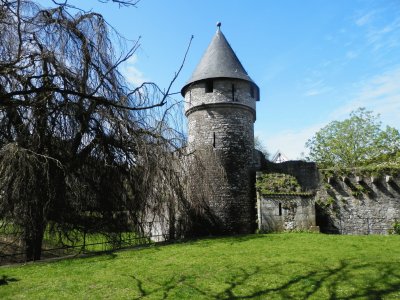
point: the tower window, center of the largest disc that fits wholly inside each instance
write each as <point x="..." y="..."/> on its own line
<point x="209" y="86"/>
<point x="280" y="209"/>
<point x="233" y="92"/>
<point x="214" y="139"/>
<point x="251" y="91"/>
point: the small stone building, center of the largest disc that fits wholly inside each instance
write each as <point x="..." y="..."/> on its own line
<point x="283" y="203"/>
<point x="279" y="212"/>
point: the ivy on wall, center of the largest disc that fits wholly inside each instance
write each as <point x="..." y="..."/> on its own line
<point x="279" y="184"/>
<point x="391" y="168"/>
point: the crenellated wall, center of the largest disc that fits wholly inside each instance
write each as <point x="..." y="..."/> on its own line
<point x="343" y="204"/>
<point x="358" y="205"/>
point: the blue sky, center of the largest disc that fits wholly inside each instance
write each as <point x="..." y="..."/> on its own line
<point x="314" y="60"/>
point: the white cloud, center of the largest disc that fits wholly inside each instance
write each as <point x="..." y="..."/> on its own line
<point x="132" y="74"/>
<point x="365" y="19"/>
<point x="383" y="37"/>
<point x="290" y="142"/>
<point x="315" y="88"/>
<point x="381" y="94"/>
<point x="351" y="54"/>
<point x="316" y="91"/>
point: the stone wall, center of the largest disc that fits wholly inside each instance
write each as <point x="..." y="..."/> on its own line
<point x="225" y="124"/>
<point x="285" y="213"/>
<point x="227" y="129"/>
<point x="344" y="205"/>
<point x="196" y="96"/>
<point x="306" y="173"/>
<point x="358" y="205"/>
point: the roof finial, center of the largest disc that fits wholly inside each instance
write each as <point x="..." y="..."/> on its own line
<point x="219" y="25"/>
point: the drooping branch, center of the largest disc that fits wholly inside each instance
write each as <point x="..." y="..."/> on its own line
<point x="106" y="148"/>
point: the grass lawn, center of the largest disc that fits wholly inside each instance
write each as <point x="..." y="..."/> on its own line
<point x="271" y="266"/>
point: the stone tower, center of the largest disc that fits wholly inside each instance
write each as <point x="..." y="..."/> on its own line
<point x="220" y="104"/>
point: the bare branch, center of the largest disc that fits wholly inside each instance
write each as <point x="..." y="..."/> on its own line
<point x="78" y="145"/>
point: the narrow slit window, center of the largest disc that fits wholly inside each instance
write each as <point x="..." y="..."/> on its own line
<point x="214" y="139"/>
<point x="209" y="86"/>
<point x="251" y="91"/>
<point x="233" y="92"/>
<point x="280" y="209"/>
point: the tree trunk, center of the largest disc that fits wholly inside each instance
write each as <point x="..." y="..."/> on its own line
<point x="33" y="236"/>
<point x="33" y="247"/>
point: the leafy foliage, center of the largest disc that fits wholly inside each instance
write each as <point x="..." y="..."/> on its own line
<point x="396" y="227"/>
<point x="378" y="169"/>
<point x="356" y="141"/>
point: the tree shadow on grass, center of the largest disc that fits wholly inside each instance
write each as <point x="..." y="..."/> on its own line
<point x="109" y="255"/>
<point x="206" y="241"/>
<point x="346" y="281"/>
<point x="4" y="280"/>
<point x="165" y="288"/>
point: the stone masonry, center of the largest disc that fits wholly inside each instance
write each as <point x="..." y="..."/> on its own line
<point x="343" y="204"/>
<point x="226" y="126"/>
<point x="285" y="213"/>
<point x="220" y="104"/>
<point x="358" y="205"/>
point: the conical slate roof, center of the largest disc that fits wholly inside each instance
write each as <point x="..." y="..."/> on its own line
<point x="219" y="61"/>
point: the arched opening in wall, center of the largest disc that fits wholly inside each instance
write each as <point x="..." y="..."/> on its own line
<point x="280" y="209"/>
<point x="209" y="88"/>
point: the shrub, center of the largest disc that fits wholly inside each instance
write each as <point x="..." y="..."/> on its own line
<point x="277" y="183"/>
<point x="396" y="227"/>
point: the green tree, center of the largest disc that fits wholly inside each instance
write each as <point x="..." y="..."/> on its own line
<point x="355" y="141"/>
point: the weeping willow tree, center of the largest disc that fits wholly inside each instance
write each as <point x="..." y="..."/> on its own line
<point x="79" y="147"/>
